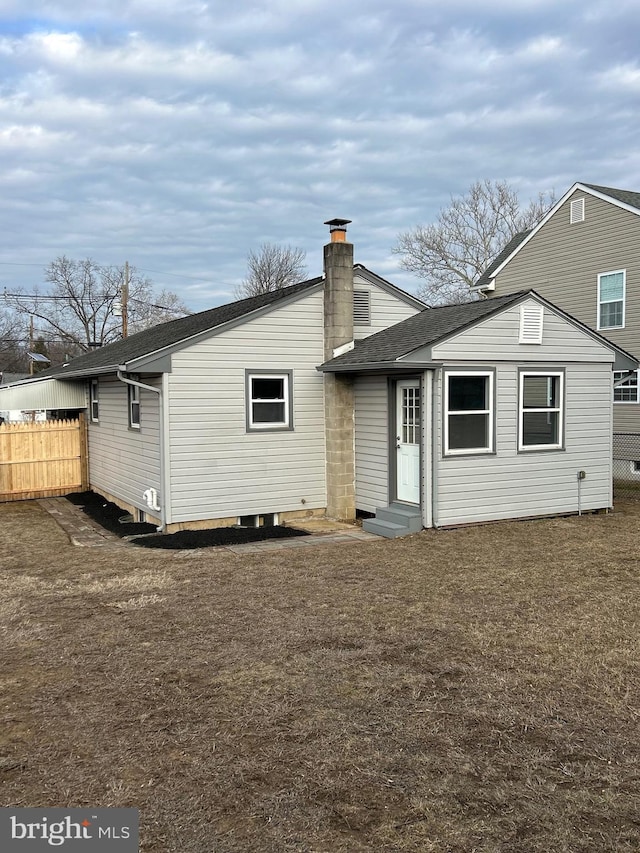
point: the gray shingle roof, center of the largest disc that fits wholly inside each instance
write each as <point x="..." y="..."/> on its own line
<point x="164" y="335"/>
<point x="625" y="196"/>
<point x="421" y="330"/>
<point x="511" y="246"/>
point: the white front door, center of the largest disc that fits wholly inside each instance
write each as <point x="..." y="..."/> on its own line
<point x="408" y="441"/>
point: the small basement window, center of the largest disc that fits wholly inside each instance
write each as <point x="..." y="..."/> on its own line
<point x="269" y="400"/>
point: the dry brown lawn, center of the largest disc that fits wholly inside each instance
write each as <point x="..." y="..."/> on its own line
<point x="469" y="690"/>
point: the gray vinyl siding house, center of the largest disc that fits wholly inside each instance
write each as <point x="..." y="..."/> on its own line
<point x="563" y="259"/>
<point x="193" y="459"/>
<point x="508" y="476"/>
<point x="124" y="462"/>
<point x="343" y="394"/>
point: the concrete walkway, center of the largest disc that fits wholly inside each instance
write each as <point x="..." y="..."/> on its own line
<point x="86" y="533"/>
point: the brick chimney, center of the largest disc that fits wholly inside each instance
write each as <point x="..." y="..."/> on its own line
<point x="338" y="390"/>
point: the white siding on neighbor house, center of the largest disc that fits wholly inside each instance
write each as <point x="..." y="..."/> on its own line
<point x="45" y="394"/>
<point x="386" y="309"/>
<point x="123" y="461"/>
<point x="372" y="442"/>
<point x="497" y="338"/>
<point x="510" y="484"/>
<point x="218" y="469"/>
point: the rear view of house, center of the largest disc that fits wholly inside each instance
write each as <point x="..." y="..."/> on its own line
<point x="343" y="394"/>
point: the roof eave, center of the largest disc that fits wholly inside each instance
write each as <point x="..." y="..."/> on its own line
<point x="379" y="367"/>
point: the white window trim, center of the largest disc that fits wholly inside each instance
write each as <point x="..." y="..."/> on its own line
<point x="133" y="396"/>
<point x="524" y="448"/>
<point x="94" y="401"/>
<point x="624" y="298"/>
<point x="287" y="381"/>
<point x="466" y="451"/>
<point x="617" y="376"/>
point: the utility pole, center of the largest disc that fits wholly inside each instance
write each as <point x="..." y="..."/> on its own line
<point x="31" y="345"/>
<point x="124" y="298"/>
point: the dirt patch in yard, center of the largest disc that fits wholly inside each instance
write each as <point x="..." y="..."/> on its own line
<point x="467" y="690"/>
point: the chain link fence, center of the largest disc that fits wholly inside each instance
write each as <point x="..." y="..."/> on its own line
<point x="626" y="465"/>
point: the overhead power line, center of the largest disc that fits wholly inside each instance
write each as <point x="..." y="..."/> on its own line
<point x="46" y="298"/>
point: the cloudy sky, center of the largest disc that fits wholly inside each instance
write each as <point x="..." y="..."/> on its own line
<point x="179" y="135"/>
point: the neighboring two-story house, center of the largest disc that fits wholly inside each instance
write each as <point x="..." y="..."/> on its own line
<point x="585" y="257"/>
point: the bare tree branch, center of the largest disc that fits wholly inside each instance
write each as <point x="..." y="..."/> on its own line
<point x="271" y="268"/>
<point x="82" y="307"/>
<point x="452" y="253"/>
<point x="13" y="342"/>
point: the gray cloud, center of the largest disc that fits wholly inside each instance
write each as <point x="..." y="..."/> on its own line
<point x="180" y="135"/>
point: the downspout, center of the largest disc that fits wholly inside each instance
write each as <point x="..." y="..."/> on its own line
<point x="158" y="391"/>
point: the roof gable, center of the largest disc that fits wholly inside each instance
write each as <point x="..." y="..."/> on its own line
<point x="395" y="346"/>
<point x="392" y="289"/>
<point x="423" y="329"/>
<point x="624" y="199"/>
<point x="176" y="332"/>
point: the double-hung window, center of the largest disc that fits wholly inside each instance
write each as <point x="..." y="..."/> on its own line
<point x="541" y="410"/>
<point x="611" y="297"/>
<point x="134" y="406"/>
<point x="627" y="390"/>
<point x="93" y="401"/>
<point x="269" y="400"/>
<point x="469" y="412"/>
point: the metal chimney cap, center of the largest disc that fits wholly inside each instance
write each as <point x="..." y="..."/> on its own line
<point x="338" y="224"/>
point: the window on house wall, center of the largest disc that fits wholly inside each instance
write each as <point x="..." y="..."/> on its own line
<point x="468" y="419"/>
<point x="361" y="308"/>
<point x="576" y="209"/>
<point x="627" y="391"/>
<point x="269" y="400"/>
<point x="94" y="405"/>
<point x="541" y="411"/>
<point x="134" y="406"/>
<point x="611" y="297"/>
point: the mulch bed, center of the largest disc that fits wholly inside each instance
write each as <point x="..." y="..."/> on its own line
<point x="217" y="536"/>
<point x="113" y="518"/>
<point x="108" y="515"/>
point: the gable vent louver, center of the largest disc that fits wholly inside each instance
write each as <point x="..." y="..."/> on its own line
<point x="576" y="211"/>
<point x="361" y="308"/>
<point x="531" y="319"/>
